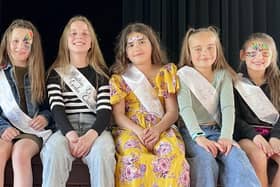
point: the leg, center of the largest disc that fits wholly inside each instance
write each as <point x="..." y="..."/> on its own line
<point x="5" y="152"/>
<point x="257" y="158"/>
<point x="57" y="161"/>
<point x="276" y="178"/>
<point x="236" y="169"/>
<point x="22" y="153"/>
<point x="204" y="168"/>
<point x="101" y="161"/>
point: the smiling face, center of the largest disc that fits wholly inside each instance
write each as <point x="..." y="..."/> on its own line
<point x="203" y="50"/>
<point x="79" y="40"/>
<point x="257" y="55"/>
<point x="20" y="43"/>
<point x="138" y="48"/>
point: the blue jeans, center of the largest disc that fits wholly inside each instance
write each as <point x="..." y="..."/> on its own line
<point x="235" y="169"/>
<point x="57" y="159"/>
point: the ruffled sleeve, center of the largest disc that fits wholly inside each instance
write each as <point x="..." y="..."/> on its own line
<point x="117" y="89"/>
<point x="167" y="80"/>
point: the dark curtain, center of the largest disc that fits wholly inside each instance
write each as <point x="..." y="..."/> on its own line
<point x="236" y="19"/>
<point x="50" y="17"/>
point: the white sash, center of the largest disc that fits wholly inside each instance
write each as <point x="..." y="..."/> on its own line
<point x="202" y="89"/>
<point x="80" y="85"/>
<point x="13" y="113"/>
<point x="143" y="90"/>
<point x="257" y="101"/>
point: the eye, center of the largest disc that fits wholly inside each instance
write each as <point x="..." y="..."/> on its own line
<point x="265" y="54"/>
<point x="198" y="49"/>
<point x="85" y="33"/>
<point x="15" y="41"/>
<point x="129" y="45"/>
<point x="73" y="33"/>
<point x="210" y="48"/>
<point x="251" y="54"/>
<point x="142" y="42"/>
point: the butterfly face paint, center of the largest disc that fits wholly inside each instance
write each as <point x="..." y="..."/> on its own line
<point x="255" y="48"/>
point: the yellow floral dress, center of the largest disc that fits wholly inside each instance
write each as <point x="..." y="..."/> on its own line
<point x="166" y="165"/>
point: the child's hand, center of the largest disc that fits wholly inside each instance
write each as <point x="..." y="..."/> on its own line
<point x="140" y="134"/>
<point x="275" y="144"/>
<point x="73" y="139"/>
<point x="9" y="134"/>
<point x="151" y="136"/>
<point x="209" y="145"/>
<point x="85" y="143"/>
<point x="38" y="123"/>
<point x="263" y="145"/>
<point x="226" y="145"/>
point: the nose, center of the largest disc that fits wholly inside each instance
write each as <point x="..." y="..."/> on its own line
<point x="259" y="55"/>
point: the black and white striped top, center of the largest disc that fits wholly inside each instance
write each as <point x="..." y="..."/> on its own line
<point x="64" y="102"/>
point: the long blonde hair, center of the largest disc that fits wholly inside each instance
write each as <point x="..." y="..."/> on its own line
<point x="220" y="62"/>
<point x="121" y="59"/>
<point x="272" y="72"/>
<point x="35" y="61"/>
<point x="94" y="55"/>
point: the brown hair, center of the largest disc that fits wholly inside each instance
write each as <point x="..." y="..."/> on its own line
<point x="121" y="60"/>
<point x="35" y="61"/>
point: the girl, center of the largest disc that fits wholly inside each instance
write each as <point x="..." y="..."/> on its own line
<point x="206" y="105"/>
<point x="150" y="151"/>
<point x="257" y="126"/>
<point x="22" y="120"/>
<point x="79" y="96"/>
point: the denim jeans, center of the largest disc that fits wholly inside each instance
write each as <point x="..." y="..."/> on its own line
<point x="233" y="170"/>
<point x="57" y="159"/>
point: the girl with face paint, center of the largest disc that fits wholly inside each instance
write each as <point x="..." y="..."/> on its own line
<point x="21" y="61"/>
<point x="150" y="151"/>
<point x="257" y="126"/>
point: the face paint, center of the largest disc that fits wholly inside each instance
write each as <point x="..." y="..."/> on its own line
<point x="28" y="39"/>
<point x="256" y="48"/>
<point x="132" y="41"/>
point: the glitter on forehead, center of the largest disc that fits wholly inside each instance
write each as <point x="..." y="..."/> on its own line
<point x="259" y="46"/>
<point x="135" y="38"/>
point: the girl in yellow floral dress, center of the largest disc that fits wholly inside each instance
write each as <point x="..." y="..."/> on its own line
<point x="150" y="151"/>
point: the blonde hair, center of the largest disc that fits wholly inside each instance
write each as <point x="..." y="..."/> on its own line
<point x="272" y="72"/>
<point x="121" y="59"/>
<point x="94" y="55"/>
<point x="220" y="62"/>
<point x="35" y="61"/>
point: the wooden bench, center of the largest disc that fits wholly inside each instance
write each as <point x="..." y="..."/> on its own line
<point x="79" y="175"/>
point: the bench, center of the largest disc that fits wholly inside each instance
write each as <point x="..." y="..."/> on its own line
<point x="79" y="175"/>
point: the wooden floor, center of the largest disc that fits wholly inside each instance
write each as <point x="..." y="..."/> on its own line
<point x="79" y="176"/>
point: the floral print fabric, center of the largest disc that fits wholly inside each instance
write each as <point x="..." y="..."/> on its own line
<point x="165" y="165"/>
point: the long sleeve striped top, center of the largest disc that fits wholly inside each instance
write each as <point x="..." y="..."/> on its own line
<point x="63" y="101"/>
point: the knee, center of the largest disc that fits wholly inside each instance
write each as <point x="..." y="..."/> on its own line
<point x="257" y="157"/>
<point x="21" y="157"/>
<point x="276" y="158"/>
<point x="206" y="162"/>
<point x="55" y="147"/>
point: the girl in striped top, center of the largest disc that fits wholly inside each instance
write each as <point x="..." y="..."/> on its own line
<point x="81" y="109"/>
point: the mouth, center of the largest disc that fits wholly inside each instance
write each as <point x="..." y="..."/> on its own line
<point x="79" y="43"/>
<point x="258" y="63"/>
<point x="138" y="54"/>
